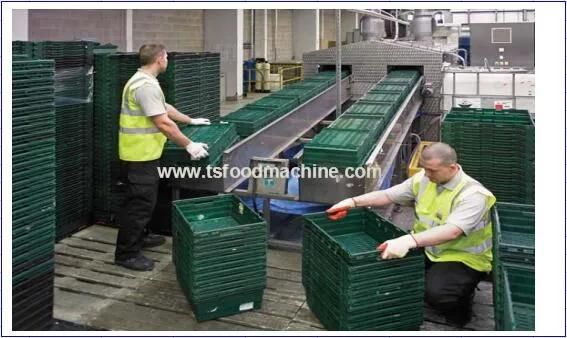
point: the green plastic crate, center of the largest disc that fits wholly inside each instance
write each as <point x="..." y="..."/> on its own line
<point x="371" y="109"/>
<point x="226" y="306"/>
<point x="515" y="304"/>
<point x="219" y="250"/>
<point x="375" y="126"/>
<point x="348" y="286"/>
<point x="339" y="148"/>
<point x="218" y="136"/>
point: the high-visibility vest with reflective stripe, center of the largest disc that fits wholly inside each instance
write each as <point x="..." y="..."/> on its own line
<point x="138" y="138"/>
<point x="474" y="249"/>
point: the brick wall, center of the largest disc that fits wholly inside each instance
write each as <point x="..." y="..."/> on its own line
<point x="103" y="25"/>
<point x="284" y="41"/>
<point x="178" y="30"/>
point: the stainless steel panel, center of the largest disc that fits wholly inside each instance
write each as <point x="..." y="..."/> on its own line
<point x="520" y="52"/>
<point x="370" y="60"/>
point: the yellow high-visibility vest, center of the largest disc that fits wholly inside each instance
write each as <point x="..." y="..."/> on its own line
<point x="138" y="139"/>
<point x="474" y="249"/>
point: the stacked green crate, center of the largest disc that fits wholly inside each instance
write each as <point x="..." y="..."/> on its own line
<point x="257" y="115"/>
<point x="33" y="194"/>
<point x="74" y="162"/>
<point x="378" y="107"/>
<point x="73" y="66"/>
<point x="112" y="71"/>
<point x="218" y="136"/>
<point x="181" y="82"/>
<point x="209" y="77"/>
<point x="192" y="84"/>
<point x="497" y="148"/>
<point x="514" y="266"/>
<point x="22" y="48"/>
<point x="348" y="286"/>
<point x="73" y="133"/>
<point x="219" y="251"/>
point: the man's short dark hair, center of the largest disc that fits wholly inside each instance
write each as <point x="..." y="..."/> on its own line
<point x="150" y="52"/>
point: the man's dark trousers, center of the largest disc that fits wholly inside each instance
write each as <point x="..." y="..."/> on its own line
<point x="449" y="288"/>
<point x="143" y="182"/>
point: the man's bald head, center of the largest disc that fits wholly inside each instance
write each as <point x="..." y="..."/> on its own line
<point x="440" y="151"/>
<point x="439" y="160"/>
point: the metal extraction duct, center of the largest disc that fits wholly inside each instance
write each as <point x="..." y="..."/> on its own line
<point x="422" y="25"/>
<point x="372" y="28"/>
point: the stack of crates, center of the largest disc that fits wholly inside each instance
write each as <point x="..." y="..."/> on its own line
<point x="192" y="84"/>
<point x="252" y="117"/>
<point x="181" y="82"/>
<point x="22" y="48"/>
<point x="209" y="77"/>
<point x="219" y="251"/>
<point x="218" y="136"/>
<point x="73" y="132"/>
<point x="497" y="148"/>
<point x="112" y="71"/>
<point x="351" y="138"/>
<point x="514" y="266"/>
<point x="73" y="66"/>
<point x="33" y="194"/>
<point x="74" y="162"/>
<point x="348" y="286"/>
<point x="74" y="62"/>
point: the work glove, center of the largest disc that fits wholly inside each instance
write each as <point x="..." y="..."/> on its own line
<point x="200" y="122"/>
<point x="397" y="248"/>
<point x="340" y="210"/>
<point x="197" y="150"/>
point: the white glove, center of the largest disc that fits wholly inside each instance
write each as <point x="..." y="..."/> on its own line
<point x="398" y="247"/>
<point x="200" y="122"/>
<point x="197" y="150"/>
<point x="342" y="205"/>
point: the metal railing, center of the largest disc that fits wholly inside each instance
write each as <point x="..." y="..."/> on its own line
<point x="287" y="75"/>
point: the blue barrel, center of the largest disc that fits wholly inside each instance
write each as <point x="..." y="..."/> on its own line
<point x="249" y="71"/>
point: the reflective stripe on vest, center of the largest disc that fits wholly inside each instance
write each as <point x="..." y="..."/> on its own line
<point x="432" y="209"/>
<point x="138" y="137"/>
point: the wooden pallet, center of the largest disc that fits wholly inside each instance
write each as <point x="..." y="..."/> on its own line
<point x="90" y="290"/>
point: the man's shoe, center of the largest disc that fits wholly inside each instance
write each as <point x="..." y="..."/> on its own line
<point x="140" y="263"/>
<point x="151" y="240"/>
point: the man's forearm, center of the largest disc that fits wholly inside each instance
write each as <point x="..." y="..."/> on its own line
<point x="172" y="132"/>
<point x="175" y="115"/>
<point x="437" y="235"/>
<point x="372" y="199"/>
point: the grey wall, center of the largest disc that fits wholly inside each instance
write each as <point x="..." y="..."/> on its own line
<point x="179" y="30"/>
<point x="103" y="25"/>
<point x="305" y="29"/>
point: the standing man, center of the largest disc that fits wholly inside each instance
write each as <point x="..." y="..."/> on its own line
<point x="146" y="122"/>
<point x="453" y="225"/>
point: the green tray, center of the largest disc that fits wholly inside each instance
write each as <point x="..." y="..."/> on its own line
<point x="228" y="305"/>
